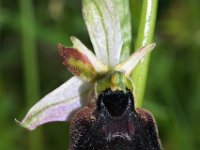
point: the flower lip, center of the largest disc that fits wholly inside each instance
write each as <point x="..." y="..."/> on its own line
<point x="119" y="135"/>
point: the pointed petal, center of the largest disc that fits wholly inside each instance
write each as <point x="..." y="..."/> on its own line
<point x="77" y="63"/>
<point x="58" y="105"/>
<point x="128" y="66"/>
<point x="98" y="65"/>
<point x="104" y="29"/>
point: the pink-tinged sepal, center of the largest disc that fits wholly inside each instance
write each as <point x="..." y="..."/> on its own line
<point x="59" y="105"/>
<point x="77" y="63"/>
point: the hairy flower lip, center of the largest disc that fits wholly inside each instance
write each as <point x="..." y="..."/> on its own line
<point x="113" y="136"/>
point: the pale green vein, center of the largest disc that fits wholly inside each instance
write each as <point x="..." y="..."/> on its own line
<point x="105" y="30"/>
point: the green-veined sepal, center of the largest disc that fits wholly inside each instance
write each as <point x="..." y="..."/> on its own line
<point x="59" y="105"/>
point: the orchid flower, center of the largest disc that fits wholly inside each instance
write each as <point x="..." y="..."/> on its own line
<point x="104" y="29"/>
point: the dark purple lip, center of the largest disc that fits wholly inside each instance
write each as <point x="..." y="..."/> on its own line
<point x="124" y="136"/>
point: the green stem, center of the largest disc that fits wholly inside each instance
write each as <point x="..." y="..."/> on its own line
<point x="1" y="86"/>
<point x="30" y="65"/>
<point x="145" y="36"/>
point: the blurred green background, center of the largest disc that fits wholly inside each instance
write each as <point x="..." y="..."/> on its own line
<point x="30" y="67"/>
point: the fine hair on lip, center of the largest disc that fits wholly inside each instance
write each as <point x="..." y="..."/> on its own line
<point x="118" y="135"/>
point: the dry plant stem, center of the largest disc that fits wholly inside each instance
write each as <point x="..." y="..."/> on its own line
<point x="145" y="36"/>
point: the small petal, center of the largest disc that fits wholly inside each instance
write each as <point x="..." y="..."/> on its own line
<point x="128" y="66"/>
<point x="103" y="26"/>
<point x="98" y="65"/>
<point x="77" y="63"/>
<point x="59" y="105"/>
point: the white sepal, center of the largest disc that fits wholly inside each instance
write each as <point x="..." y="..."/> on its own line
<point x="59" y="105"/>
<point x="104" y="30"/>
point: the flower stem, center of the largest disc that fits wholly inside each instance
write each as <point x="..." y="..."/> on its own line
<point x="30" y="65"/>
<point x="145" y="36"/>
